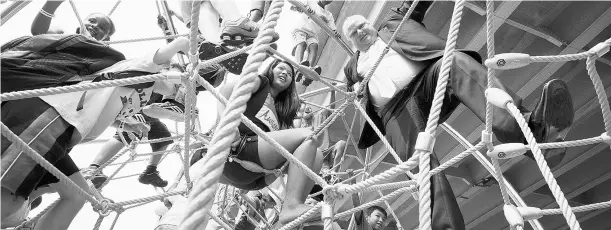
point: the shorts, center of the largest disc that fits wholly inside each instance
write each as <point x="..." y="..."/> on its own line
<point x="237" y="175"/>
<point x="158" y="130"/>
<point x="38" y="124"/>
<point x="301" y="35"/>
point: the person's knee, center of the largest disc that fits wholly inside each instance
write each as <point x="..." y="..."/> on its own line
<point x="10" y="203"/>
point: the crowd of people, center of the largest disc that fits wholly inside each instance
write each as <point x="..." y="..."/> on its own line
<point x="400" y="94"/>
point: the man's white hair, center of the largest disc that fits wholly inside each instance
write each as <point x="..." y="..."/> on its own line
<point x="350" y="21"/>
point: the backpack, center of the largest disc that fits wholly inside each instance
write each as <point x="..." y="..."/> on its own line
<point x="52" y="60"/>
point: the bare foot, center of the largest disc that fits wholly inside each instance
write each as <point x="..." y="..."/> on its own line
<point x="291" y="212"/>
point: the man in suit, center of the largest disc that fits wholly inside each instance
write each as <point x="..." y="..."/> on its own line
<point x="401" y="91"/>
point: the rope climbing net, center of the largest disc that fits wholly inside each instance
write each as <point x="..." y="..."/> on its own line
<point x="200" y="182"/>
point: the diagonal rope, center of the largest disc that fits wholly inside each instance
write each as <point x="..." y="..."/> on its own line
<point x="200" y="198"/>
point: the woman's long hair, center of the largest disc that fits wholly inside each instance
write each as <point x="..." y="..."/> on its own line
<point x="287" y="102"/>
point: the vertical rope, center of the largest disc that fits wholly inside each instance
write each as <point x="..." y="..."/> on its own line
<point x="189" y="98"/>
<point x="545" y="170"/>
<point x="98" y="222"/>
<point x="78" y="17"/>
<point x="491" y="71"/>
<point x="117" y="4"/>
<point x="200" y="198"/>
<point x="600" y="91"/>
<point x="501" y="180"/>
<point x="425" y="158"/>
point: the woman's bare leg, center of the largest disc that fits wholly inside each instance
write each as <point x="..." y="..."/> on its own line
<point x="299" y="51"/>
<point x="312" y="53"/>
<point x="299" y="185"/>
<point x="10" y="203"/>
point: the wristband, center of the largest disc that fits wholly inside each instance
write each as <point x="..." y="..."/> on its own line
<point x="46" y="14"/>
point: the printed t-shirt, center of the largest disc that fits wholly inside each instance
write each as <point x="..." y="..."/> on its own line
<point x="103" y="106"/>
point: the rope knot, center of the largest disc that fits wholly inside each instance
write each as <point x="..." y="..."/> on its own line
<point x="335" y="192"/>
<point x="104" y="208"/>
<point x="606" y="138"/>
<point x="26" y="225"/>
<point x="177" y="149"/>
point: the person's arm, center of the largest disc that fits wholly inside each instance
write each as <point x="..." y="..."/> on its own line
<point x="256" y="13"/>
<point x="356" y="201"/>
<point x="165" y="53"/>
<point x="42" y="22"/>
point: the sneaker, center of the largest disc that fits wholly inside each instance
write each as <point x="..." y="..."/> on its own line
<point x="95" y="175"/>
<point x="242" y="32"/>
<point x="153" y="179"/>
<point x="170" y="109"/>
<point x="238" y="32"/>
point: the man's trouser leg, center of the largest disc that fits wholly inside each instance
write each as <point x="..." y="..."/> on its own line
<point x="402" y="132"/>
<point x="467" y="85"/>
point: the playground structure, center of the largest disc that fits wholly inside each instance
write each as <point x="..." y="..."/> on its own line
<point x="201" y="187"/>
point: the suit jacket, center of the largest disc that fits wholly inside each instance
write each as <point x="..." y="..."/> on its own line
<point x="414" y="42"/>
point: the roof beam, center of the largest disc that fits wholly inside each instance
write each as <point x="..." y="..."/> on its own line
<point x="581" y="41"/>
<point x="503" y="12"/>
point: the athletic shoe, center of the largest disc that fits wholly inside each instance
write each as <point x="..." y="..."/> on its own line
<point x="170" y="109"/>
<point x="153" y="179"/>
<point x="242" y="32"/>
<point x="95" y="175"/>
<point x="238" y="32"/>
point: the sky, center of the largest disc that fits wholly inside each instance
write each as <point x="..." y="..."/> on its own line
<point x="133" y="19"/>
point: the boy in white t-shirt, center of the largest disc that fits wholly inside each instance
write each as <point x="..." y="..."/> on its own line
<point x="52" y="125"/>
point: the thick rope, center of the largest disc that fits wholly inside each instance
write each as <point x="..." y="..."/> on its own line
<point x="80" y="87"/>
<point x="144" y="39"/>
<point x="147" y="199"/>
<point x="489" y="111"/>
<point x="329" y="121"/>
<point x="491" y="71"/>
<point x="442" y="82"/>
<point x="384" y="176"/>
<point x="115" y="7"/>
<point x="458" y="158"/>
<point x="203" y="192"/>
<point x="98" y="222"/>
<point x="19" y="144"/>
<point x="78" y="17"/>
<point x="600" y="92"/>
<point x="545" y="170"/>
<point x="583" y="208"/>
